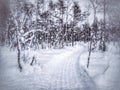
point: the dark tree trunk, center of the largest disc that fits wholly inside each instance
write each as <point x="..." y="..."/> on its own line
<point x="18" y="55"/>
<point x="90" y="50"/>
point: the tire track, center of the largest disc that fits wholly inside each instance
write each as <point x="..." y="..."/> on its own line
<point x="67" y="76"/>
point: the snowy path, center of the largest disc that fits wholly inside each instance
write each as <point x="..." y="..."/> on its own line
<point x="61" y="73"/>
<point x="67" y="74"/>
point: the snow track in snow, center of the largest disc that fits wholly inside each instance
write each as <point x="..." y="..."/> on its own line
<point x="63" y="72"/>
<point x="67" y="74"/>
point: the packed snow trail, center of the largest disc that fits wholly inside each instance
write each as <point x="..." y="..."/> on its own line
<point x="67" y="74"/>
<point x="63" y="72"/>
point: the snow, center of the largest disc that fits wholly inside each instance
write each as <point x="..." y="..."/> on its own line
<point x="110" y="79"/>
<point x="61" y="69"/>
<point x="104" y="67"/>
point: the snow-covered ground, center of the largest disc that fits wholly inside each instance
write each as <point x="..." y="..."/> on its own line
<point x="105" y="67"/>
<point x="61" y="69"/>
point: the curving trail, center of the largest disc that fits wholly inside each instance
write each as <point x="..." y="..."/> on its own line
<point x="63" y="72"/>
<point x="67" y="74"/>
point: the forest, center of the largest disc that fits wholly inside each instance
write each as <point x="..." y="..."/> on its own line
<point x="29" y="26"/>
